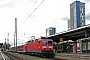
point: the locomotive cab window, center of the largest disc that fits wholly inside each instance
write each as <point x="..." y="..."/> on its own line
<point x="46" y="42"/>
<point x="49" y="42"/>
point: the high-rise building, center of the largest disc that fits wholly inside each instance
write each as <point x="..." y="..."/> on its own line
<point x="50" y="31"/>
<point x="68" y="24"/>
<point x="77" y="14"/>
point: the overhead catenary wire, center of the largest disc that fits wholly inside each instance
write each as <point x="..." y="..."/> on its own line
<point x="30" y="8"/>
<point x="39" y="34"/>
<point x="29" y="11"/>
<point x="32" y="12"/>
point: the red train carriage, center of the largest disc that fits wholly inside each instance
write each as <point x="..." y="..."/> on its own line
<point x="11" y="49"/>
<point x="21" y="49"/>
<point x="41" y="47"/>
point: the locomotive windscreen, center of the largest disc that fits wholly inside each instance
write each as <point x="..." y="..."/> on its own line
<point x="47" y="41"/>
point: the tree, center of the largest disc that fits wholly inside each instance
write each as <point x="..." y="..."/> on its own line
<point x="7" y="46"/>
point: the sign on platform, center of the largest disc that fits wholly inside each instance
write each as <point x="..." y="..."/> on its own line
<point x="61" y="39"/>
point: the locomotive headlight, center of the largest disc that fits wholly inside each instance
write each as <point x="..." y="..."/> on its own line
<point x="50" y="46"/>
<point x="43" y="46"/>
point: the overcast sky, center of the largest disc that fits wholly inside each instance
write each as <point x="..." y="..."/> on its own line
<point x="34" y="16"/>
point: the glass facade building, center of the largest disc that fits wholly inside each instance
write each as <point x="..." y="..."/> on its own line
<point x="77" y="14"/>
<point x="50" y="31"/>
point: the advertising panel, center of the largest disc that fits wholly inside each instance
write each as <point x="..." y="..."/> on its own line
<point x="84" y="46"/>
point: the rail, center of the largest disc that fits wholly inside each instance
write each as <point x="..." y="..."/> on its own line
<point x="12" y="57"/>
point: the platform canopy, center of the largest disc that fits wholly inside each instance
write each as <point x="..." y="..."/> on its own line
<point x="74" y="34"/>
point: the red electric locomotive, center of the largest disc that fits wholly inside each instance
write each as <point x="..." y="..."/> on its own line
<point x="41" y="47"/>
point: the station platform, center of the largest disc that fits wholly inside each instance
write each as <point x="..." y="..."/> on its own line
<point x="74" y="56"/>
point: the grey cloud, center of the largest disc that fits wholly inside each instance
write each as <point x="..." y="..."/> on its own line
<point x="87" y="0"/>
<point x="88" y="16"/>
<point x="14" y="3"/>
<point x="10" y="5"/>
<point x="65" y="18"/>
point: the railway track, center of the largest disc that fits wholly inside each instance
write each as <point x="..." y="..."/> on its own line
<point x="13" y="57"/>
<point x="16" y="56"/>
<point x="58" y="56"/>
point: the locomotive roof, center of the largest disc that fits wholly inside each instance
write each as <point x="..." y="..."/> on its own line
<point x="34" y="40"/>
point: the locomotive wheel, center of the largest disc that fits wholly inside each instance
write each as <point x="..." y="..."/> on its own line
<point x="43" y="55"/>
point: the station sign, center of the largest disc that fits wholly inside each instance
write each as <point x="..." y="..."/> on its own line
<point x="61" y="39"/>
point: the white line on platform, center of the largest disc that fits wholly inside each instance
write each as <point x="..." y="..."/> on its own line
<point x="2" y="56"/>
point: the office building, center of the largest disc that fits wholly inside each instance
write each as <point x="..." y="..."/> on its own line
<point x="50" y="31"/>
<point x="68" y="24"/>
<point x="77" y="15"/>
